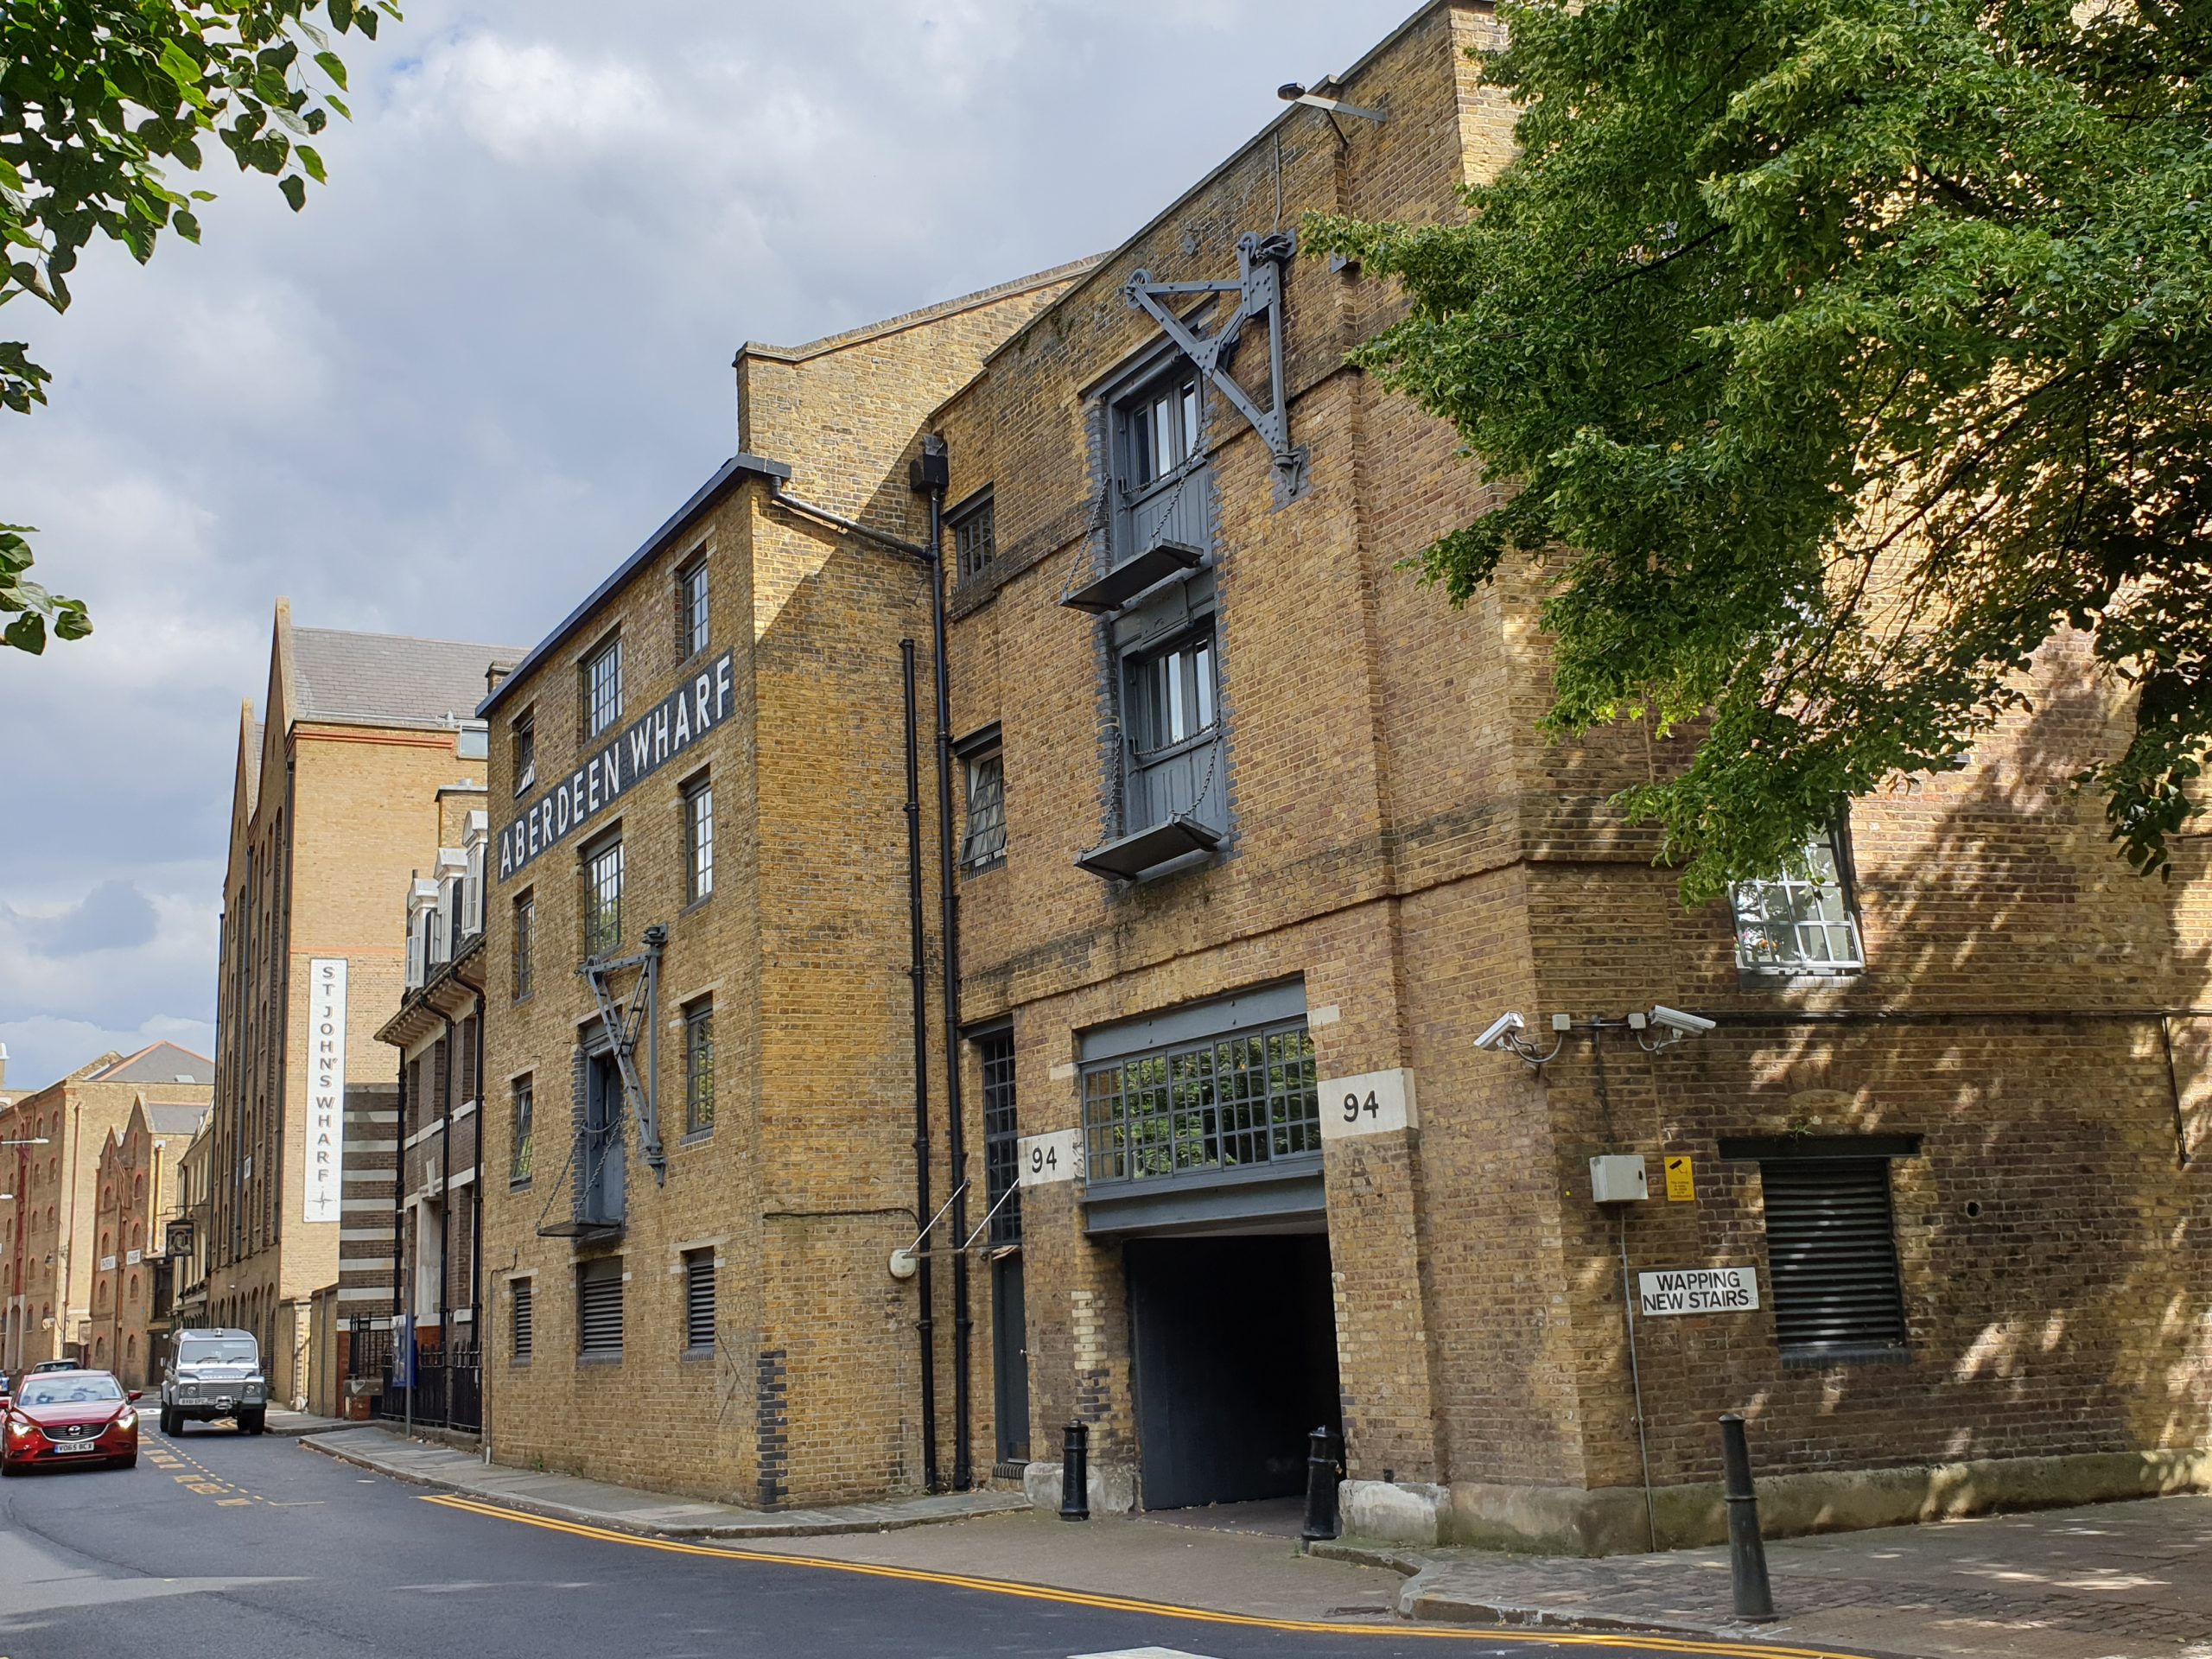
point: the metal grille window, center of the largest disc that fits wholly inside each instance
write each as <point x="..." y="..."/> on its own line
<point x="692" y="609"/>
<point x="698" y="1301"/>
<point x="1831" y="1255"/>
<point x="603" y="687"/>
<point x="975" y="536"/>
<point x="985" y="843"/>
<point x="699" y="1066"/>
<point x="520" y="1150"/>
<point x="1002" y="1137"/>
<point x="525" y="930"/>
<point x="1226" y="1103"/>
<point x="599" y="1307"/>
<point x="525" y="756"/>
<point x="603" y="900"/>
<point x="699" y="839"/>
<point x="521" y="1315"/>
<point x="1803" y="924"/>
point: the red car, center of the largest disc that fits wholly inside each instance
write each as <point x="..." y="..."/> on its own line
<point x="65" y="1417"/>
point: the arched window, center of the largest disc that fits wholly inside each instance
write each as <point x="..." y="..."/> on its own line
<point x="138" y="1189"/>
<point x="138" y="1235"/>
<point x="100" y="1348"/>
<point x="134" y="1287"/>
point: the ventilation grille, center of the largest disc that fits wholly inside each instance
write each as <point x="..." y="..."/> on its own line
<point x="599" y="1306"/>
<point x="1832" y="1253"/>
<point x="524" y="1317"/>
<point x="699" y="1299"/>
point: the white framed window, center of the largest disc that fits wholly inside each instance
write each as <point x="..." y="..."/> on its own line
<point x="691" y="607"/>
<point x="603" y="900"/>
<point x="525" y="750"/>
<point x="1804" y="924"/>
<point x="603" y="687"/>
<point x="698" y="840"/>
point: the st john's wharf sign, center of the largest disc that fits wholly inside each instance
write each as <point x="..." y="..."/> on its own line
<point x="640" y="749"/>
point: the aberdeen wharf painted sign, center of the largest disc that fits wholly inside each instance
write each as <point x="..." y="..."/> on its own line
<point x="640" y="749"/>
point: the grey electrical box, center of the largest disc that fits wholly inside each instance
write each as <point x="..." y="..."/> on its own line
<point x="1618" y="1177"/>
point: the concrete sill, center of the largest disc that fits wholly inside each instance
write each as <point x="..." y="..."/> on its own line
<point x="1858" y="1353"/>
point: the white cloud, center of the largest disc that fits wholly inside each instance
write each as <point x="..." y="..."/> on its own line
<point x="494" y="352"/>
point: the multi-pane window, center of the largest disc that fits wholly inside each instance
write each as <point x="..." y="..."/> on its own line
<point x="603" y="687"/>
<point x="1172" y="733"/>
<point x="699" y="1066"/>
<point x="985" y="842"/>
<point x="698" y="840"/>
<point x="1832" y="1255"/>
<point x="521" y="1315"/>
<point x="691" y="608"/>
<point x="473" y="741"/>
<point x="974" y="535"/>
<point x="525" y="752"/>
<point x="1223" y="1103"/>
<point x="1161" y="426"/>
<point x="603" y="900"/>
<point x="526" y="942"/>
<point x="1803" y="924"/>
<point x="698" y="1301"/>
<point x="599" y="1307"/>
<point x="1002" y="1137"/>
<point x="520" y="1151"/>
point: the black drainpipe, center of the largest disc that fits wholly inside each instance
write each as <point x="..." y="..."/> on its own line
<point x="932" y="472"/>
<point x="917" y="972"/>
<point x="476" y="1219"/>
<point x="445" y="1198"/>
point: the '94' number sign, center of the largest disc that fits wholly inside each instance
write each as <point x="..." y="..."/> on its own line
<point x="1374" y="1102"/>
<point x="1049" y="1158"/>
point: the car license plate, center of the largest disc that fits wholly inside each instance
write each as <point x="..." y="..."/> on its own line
<point x="76" y="1446"/>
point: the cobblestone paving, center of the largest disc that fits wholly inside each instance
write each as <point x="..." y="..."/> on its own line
<point x="2109" y="1582"/>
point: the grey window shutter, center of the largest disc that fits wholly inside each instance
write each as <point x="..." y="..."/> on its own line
<point x="1832" y="1253"/>
<point x="579" y="1110"/>
<point x="524" y="1315"/>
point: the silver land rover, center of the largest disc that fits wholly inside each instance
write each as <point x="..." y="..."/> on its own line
<point x="211" y="1374"/>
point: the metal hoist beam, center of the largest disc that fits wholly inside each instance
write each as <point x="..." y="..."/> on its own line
<point x="1258" y="285"/>
<point x="624" y="1019"/>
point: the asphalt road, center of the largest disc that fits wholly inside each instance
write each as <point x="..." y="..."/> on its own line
<point x="218" y="1546"/>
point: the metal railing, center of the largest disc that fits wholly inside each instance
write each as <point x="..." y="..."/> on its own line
<point x="443" y="1389"/>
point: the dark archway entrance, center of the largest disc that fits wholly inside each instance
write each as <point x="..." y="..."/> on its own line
<point x="1235" y="1355"/>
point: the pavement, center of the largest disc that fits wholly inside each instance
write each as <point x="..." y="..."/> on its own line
<point x="625" y="1509"/>
<point x="239" y="1546"/>
<point x="2110" y="1581"/>
<point x="2107" y="1581"/>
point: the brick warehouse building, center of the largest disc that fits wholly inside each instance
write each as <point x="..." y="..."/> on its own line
<point x="140" y="1192"/>
<point x="335" y="801"/>
<point x="1258" y="839"/>
<point x="48" y="1218"/>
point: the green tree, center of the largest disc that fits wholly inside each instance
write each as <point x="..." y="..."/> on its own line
<point x="1840" y="353"/>
<point x="100" y="99"/>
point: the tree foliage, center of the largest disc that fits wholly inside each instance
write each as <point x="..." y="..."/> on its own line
<point x="1854" y="349"/>
<point x="100" y="99"/>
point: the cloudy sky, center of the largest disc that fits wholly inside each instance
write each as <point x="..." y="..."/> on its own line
<point x="493" y="354"/>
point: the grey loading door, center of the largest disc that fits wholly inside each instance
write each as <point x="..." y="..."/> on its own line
<point x="1010" y="1359"/>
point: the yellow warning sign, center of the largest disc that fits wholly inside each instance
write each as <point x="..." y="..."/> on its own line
<point x="1681" y="1187"/>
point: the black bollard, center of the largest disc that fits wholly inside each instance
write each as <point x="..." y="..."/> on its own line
<point x="1075" y="1472"/>
<point x="1746" y="1549"/>
<point x="1320" y="1486"/>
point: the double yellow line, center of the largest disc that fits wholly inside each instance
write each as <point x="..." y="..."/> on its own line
<point x="1653" y="1643"/>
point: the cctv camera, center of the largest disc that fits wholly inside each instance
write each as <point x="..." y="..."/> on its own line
<point x="1503" y="1027"/>
<point x="1689" y="1025"/>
